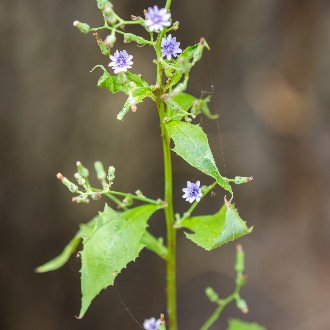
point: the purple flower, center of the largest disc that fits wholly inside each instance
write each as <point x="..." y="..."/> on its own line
<point x="157" y="18"/>
<point x="170" y="47"/>
<point x="193" y="192"/>
<point x="121" y="61"/>
<point x="151" y="324"/>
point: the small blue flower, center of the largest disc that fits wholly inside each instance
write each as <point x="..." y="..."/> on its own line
<point x="193" y="192"/>
<point x="157" y="18"/>
<point x="151" y="324"/>
<point x="170" y="47"/>
<point x="121" y="61"/>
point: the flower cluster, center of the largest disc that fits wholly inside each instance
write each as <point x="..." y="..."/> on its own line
<point x="121" y="61"/>
<point x="193" y="192"/>
<point x="157" y="19"/>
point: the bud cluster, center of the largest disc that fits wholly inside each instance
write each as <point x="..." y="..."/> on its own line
<point x="85" y="191"/>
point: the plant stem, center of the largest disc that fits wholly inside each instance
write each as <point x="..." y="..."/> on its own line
<point x="169" y="213"/>
<point x="215" y="315"/>
<point x="171" y="233"/>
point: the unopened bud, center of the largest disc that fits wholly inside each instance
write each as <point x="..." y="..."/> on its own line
<point x="175" y="26"/>
<point x="110" y="40"/>
<point x="82" y="170"/>
<point x="71" y="186"/>
<point x="82" y="27"/>
<point x="100" y="172"/>
<point x="139" y="193"/>
<point x="80" y="200"/>
<point x="212" y="295"/>
<point x="129" y="37"/>
<point x="111" y="174"/>
<point x="109" y="14"/>
<point x="96" y="196"/>
<point x="79" y="179"/>
<point x="102" y="3"/>
<point x="241" y="304"/>
<point x="241" y="179"/>
<point x="136" y="18"/>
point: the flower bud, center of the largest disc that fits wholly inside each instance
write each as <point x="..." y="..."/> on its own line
<point x="110" y="40"/>
<point x="71" y="186"/>
<point x="80" y="200"/>
<point x="79" y="179"/>
<point x="241" y="179"/>
<point x="82" y="27"/>
<point x="212" y="295"/>
<point x="129" y="37"/>
<point x="111" y="174"/>
<point x="82" y="170"/>
<point x="242" y="305"/>
<point x="101" y="4"/>
<point x="109" y="13"/>
<point x="96" y="196"/>
<point x="100" y="172"/>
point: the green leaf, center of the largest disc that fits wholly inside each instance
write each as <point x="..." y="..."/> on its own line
<point x="123" y="82"/>
<point x="155" y="245"/>
<point x="192" y="145"/>
<point x="137" y="79"/>
<point x="136" y="96"/>
<point x="113" y="83"/>
<point x="240" y="325"/>
<point x="212" y="231"/>
<point x="60" y="260"/>
<point x="109" y="245"/>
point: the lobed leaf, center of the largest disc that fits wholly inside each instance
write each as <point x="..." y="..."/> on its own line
<point x="108" y="246"/>
<point x="192" y="145"/>
<point x="240" y="325"/>
<point x="212" y="231"/>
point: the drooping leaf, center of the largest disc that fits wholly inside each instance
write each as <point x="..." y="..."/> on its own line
<point x="136" y="96"/>
<point x="185" y="102"/>
<point x="60" y="260"/>
<point x="114" y="242"/>
<point x="240" y="325"/>
<point x="192" y="145"/>
<point x="212" y="231"/>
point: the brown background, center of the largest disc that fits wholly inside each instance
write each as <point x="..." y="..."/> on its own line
<point x="269" y="68"/>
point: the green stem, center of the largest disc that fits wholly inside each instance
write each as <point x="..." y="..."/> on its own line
<point x="168" y="4"/>
<point x="216" y="314"/>
<point x="169" y="213"/>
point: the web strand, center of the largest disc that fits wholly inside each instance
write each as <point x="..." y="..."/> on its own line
<point x="212" y="91"/>
<point x="127" y="309"/>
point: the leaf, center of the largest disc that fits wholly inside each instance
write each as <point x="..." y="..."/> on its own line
<point x="123" y="82"/>
<point x="212" y="231"/>
<point x="240" y="325"/>
<point x="192" y="145"/>
<point x="107" y="250"/>
<point x="60" y="260"/>
<point x="155" y="245"/>
<point x="136" y="96"/>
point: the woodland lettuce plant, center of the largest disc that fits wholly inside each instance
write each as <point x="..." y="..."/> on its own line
<point x="116" y="237"/>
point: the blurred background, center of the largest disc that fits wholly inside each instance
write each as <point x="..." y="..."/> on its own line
<point x="269" y="77"/>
